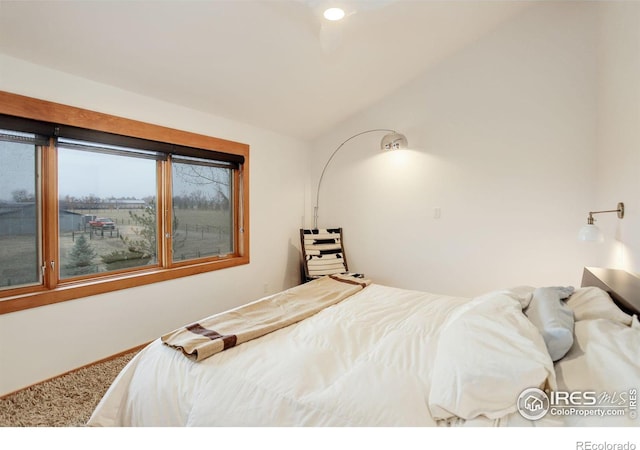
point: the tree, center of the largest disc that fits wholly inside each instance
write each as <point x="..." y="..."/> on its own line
<point x="81" y="257"/>
<point x="22" y="196"/>
<point x="146" y="244"/>
<point x="198" y="175"/>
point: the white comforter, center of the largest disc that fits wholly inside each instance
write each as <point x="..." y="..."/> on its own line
<point x="604" y="361"/>
<point x="383" y="357"/>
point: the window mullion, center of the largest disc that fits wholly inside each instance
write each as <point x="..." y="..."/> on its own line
<point x="49" y="208"/>
<point x="165" y="228"/>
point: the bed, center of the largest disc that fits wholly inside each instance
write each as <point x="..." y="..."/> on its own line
<point x="376" y="355"/>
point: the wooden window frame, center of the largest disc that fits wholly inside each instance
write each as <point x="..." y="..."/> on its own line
<point x="52" y="289"/>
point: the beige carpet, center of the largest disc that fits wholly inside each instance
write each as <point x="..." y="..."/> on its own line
<point x="66" y="401"/>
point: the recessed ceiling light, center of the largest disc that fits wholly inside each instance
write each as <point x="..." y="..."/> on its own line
<point x="334" y="14"/>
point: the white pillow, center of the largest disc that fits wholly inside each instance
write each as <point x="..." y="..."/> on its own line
<point x="593" y="303"/>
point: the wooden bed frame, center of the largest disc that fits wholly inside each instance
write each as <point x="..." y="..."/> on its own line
<point x="622" y="286"/>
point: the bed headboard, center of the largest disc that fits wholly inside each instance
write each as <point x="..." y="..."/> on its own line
<point x="622" y="286"/>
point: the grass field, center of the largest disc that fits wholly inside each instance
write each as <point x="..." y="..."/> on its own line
<point x="18" y="260"/>
<point x="199" y="233"/>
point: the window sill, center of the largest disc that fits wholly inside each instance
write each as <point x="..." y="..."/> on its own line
<point x="112" y="283"/>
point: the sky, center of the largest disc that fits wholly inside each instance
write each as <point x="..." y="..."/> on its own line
<point x="16" y="170"/>
<point x="80" y="173"/>
<point x="86" y="173"/>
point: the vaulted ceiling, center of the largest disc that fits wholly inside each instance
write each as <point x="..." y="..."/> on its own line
<point x="273" y="64"/>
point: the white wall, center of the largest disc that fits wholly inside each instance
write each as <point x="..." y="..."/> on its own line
<point x="503" y="141"/>
<point x="618" y="176"/>
<point x="43" y="342"/>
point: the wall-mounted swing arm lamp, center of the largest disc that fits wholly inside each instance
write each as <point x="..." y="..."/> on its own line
<point x="590" y="232"/>
<point x="390" y="141"/>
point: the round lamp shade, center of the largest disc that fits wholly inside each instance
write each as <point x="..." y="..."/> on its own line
<point x="394" y="141"/>
<point x="590" y="233"/>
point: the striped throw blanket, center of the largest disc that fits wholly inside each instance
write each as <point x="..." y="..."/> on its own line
<point x="228" y="329"/>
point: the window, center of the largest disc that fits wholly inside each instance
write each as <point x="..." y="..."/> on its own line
<point x="92" y="203"/>
<point x="107" y="218"/>
<point x="202" y="213"/>
<point x="20" y="246"/>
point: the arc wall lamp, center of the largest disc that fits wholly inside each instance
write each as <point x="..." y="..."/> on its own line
<point x="390" y="141"/>
<point x="590" y="232"/>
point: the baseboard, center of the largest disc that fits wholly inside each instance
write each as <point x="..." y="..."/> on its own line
<point x="108" y="358"/>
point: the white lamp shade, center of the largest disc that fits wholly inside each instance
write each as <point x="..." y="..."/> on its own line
<point x="590" y="233"/>
<point x="394" y="141"/>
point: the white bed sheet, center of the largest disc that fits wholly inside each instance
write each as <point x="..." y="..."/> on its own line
<point x="368" y="361"/>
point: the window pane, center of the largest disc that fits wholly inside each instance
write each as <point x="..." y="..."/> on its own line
<point x="19" y="221"/>
<point x="107" y="215"/>
<point x="202" y="215"/>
